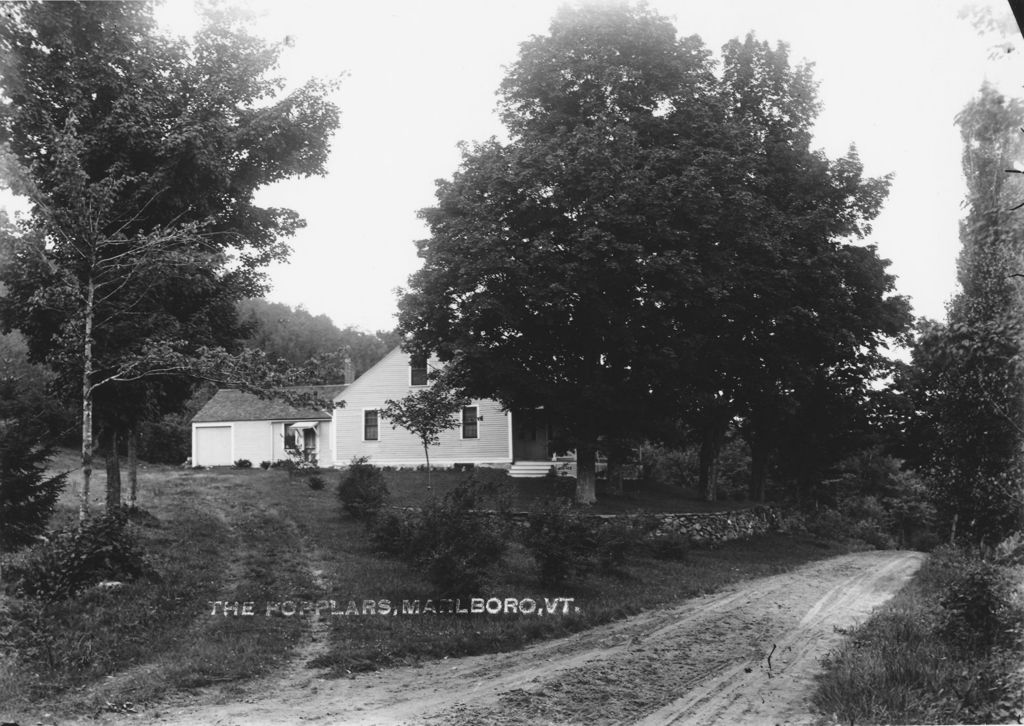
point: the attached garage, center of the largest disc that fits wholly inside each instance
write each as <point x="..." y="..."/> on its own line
<point x="212" y="446"/>
<point x="235" y="425"/>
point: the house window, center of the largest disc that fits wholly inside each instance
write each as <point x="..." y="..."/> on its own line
<point x="291" y="439"/>
<point x="469" y="422"/>
<point x="418" y="371"/>
<point x="370" y="427"/>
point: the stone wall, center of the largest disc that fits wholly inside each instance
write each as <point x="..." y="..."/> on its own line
<point x="718" y="527"/>
<point x="706" y="528"/>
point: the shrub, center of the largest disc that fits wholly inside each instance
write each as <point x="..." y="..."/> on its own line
<point x="734" y="469"/>
<point x="857" y="518"/>
<point x="977" y="606"/>
<point x="316" y="482"/>
<point x="912" y="513"/>
<point x="243" y="464"/>
<point x="561" y="542"/>
<point x="265" y="465"/>
<point x="911" y="662"/>
<point x="887" y="506"/>
<point x="873" y="534"/>
<point x="394" y="532"/>
<point x="304" y="466"/>
<point x="27" y="494"/>
<point x="103" y="548"/>
<point x="454" y="544"/>
<point x="868" y="521"/>
<point x="664" y="465"/>
<point x="614" y="539"/>
<point x="362" y="489"/>
<point x="827" y="523"/>
<point x="925" y="541"/>
<point x="568" y="545"/>
<point x="457" y="546"/>
<point x="680" y="467"/>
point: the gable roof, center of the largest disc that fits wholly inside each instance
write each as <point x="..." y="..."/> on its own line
<point x="397" y="350"/>
<point x="231" y="404"/>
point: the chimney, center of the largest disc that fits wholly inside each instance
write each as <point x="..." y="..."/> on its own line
<point x="349" y="370"/>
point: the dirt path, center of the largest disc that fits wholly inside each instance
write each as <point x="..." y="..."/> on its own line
<point x="745" y="655"/>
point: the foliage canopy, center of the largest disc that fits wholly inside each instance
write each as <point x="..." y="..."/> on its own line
<point x="140" y="155"/>
<point x="655" y="242"/>
<point x="966" y="381"/>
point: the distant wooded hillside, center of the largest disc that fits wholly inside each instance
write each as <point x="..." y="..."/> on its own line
<point x="297" y="335"/>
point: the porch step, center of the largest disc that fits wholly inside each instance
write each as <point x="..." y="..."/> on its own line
<point x="530" y="469"/>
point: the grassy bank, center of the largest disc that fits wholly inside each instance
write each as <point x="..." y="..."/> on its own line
<point x="207" y="541"/>
<point x="920" y="660"/>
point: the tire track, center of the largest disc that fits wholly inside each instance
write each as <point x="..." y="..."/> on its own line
<point x="783" y="697"/>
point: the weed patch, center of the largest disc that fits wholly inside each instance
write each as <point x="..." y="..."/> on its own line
<point x="102" y="548"/>
<point x="946" y="649"/>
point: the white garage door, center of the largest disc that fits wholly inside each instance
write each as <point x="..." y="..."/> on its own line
<point x="213" y="446"/>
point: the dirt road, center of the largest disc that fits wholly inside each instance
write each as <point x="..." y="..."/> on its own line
<point x="745" y="655"/>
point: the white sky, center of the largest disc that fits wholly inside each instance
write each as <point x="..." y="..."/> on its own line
<point x="422" y="76"/>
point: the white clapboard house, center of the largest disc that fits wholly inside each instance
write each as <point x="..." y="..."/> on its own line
<point x="236" y="425"/>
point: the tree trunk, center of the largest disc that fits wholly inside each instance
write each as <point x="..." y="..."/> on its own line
<point x="758" y="469"/>
<point x="618" y="455"/>
<point x="113" y="472"/>
<point x="426" y="452"/>
<point x="87" y="444"/>
<point x="615" y="478"/>
<point x="586" y="479"/>
<point x="708" y="470"/>
<point x="710" y="446"/>
<point x="715" y="425"/>
<point x="133" y="466"/>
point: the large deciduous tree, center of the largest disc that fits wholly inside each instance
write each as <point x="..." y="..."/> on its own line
<point x="803" y="311"/>
<point x="553" y="258"/>
<point x="649" y="234"/>
<point x="140" y="155"/>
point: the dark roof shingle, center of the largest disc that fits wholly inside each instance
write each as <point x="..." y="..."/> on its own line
<point x="230" y="404"/>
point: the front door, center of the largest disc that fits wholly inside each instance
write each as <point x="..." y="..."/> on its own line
<point x="529" y="440"/>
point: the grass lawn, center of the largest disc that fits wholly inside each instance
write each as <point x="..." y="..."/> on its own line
<point x="263" y="537"/>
